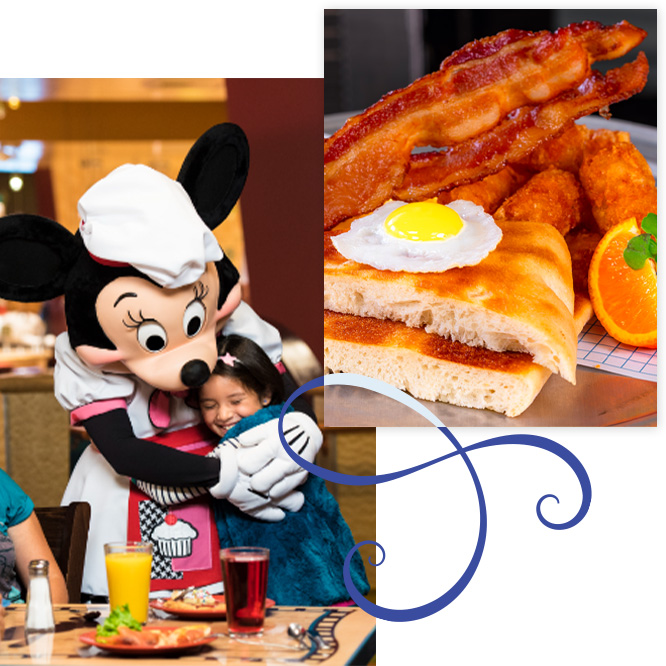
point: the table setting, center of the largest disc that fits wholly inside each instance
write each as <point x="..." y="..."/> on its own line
<point x="334" y="635"/>
<point x="191" y="625"/>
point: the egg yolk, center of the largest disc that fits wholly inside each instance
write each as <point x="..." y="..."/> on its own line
<point x="423" y="221"/>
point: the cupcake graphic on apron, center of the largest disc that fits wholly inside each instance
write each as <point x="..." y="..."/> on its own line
<point x="174" y="537"/>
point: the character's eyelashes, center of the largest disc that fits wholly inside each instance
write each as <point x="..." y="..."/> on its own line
<point x="200" y="291"/>
<point x="149" y="332"/>
<point x="135" y="322"/>
<point x="194" y="317"/>
<point x="195" y="313"/>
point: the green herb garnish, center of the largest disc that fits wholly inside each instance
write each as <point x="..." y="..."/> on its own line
<point x="120" y="615"/>
<point x="643" y="247"/>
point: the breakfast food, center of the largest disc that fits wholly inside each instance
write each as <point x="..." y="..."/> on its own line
<point x="421" y="237"/>
<point x="564" y="151"/>
<point x="624" y="298"/>
<point x="484" y="330"/>
<point x="491" y="191"/>
<point x="518" y="134"/>
<point x="553" y="196"/>
<point x="434" y="368"/>
<point x="120" y="628"/>
<point x="507" y="79"/>
<point x="581" y="243"/>
<point x="619" y="184"/>
<point x="193" y="600"/>
<point x="156" y="637"/>
<point x="519" y="298"/>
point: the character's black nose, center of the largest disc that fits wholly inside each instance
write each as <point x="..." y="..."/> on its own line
<point x="194" y="374"/>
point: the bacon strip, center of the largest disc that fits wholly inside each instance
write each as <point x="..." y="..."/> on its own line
<point x="518" y="134"/>
<point x="473" y="91"/>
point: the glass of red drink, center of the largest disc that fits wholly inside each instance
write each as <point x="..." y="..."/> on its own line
<point x="245" y="572"/>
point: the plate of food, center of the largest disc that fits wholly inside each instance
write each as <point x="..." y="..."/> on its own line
<point x="151" y="640"/>
<point x="121" y="633"/>
<point x="486" y="333"/>
<point x="196" y="604"/>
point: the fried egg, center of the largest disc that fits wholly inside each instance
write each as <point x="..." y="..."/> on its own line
<point x="422" y="237"/>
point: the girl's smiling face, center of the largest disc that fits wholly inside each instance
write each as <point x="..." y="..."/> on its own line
<point x="225" y="401"/>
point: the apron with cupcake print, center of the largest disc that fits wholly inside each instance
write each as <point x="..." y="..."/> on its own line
<point x="184" y="536"/>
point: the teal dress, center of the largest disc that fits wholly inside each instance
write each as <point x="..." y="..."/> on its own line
<point x="307" y="548"/>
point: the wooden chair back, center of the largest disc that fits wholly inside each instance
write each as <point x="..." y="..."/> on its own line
<point x="66" y="530"/>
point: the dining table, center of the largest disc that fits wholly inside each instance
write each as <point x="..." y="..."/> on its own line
<point x="335" y="636"/>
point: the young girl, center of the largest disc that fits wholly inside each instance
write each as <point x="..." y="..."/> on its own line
<point x="309" y="544"/>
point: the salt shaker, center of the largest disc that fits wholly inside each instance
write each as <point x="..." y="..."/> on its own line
<point x="39" y="610"/>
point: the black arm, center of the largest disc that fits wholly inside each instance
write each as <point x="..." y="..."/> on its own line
<point x="113" y="435"/>
<point x="301" y="403"/>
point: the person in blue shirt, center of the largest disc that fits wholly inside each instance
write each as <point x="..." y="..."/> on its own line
<point x="22" y="540"/>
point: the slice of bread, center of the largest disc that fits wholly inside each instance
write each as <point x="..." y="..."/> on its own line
<point x="519" y="298"/>
<point x="434" y="368"/>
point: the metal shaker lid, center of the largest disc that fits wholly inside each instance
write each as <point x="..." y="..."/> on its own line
<point x="39" y="567"/>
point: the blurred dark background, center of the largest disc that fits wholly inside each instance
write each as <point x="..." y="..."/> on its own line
<point x="369" y="52"/>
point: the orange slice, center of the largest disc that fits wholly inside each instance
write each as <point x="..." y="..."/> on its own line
<point x="624" y="299"/>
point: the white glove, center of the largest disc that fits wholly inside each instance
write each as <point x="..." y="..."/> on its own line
<point x="262" y="506"/>
<point x="262" y="456"/>
<point x="234" y="486"/>
<point x="228" y="471"/>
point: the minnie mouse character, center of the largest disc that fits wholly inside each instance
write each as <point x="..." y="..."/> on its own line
<point x="147" y="291"/>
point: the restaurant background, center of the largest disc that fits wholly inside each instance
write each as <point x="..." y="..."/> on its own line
<point x="60" y="136"/>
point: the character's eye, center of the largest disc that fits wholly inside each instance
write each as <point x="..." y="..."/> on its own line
<point x="151" y="336"/>
<point x="194" y="317"/>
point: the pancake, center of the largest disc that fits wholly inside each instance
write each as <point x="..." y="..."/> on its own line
<point x="519" y="298"/>
<point x="435" y="368"/>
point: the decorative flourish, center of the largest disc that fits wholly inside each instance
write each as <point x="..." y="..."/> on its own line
<point x="409" y="614"/>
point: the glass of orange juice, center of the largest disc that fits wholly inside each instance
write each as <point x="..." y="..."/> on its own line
<point x="128" y="566"/>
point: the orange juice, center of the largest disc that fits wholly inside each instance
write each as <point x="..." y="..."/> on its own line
<point x="128" y="575"/>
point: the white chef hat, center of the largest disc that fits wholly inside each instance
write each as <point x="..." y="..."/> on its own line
<point x="141" y="217"/>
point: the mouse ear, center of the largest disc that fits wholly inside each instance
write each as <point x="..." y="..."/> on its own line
<point x="36" y="255"/>
<point x="214" y="172"/>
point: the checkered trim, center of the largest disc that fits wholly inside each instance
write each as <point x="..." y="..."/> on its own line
<point x="150" y="516"/>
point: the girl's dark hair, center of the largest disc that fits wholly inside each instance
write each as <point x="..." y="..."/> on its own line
<point x="250" y="366"/>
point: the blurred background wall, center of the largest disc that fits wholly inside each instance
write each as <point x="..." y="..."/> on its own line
<point x="369" y="52"/>
<point x="59" y="136"/>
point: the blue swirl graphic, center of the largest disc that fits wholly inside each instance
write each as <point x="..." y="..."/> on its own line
<point x="420" y="612"/>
